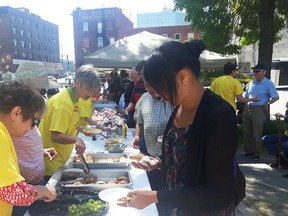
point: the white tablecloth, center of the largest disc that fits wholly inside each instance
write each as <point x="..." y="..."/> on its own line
<point x="139" y="177"/>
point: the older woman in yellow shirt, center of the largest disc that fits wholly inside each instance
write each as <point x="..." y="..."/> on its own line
<point x="20" y="109"/>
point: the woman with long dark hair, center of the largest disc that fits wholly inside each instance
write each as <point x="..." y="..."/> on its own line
<point x="200" y="174"/>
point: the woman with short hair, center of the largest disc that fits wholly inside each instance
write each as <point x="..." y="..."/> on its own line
<point x="21" y="108"/>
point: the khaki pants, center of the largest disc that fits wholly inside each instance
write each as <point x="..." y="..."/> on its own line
<point x="253" y="119"/>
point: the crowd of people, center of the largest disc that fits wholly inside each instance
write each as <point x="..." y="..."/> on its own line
<point x="188" y="132"/>
<point x="258" y="96"/>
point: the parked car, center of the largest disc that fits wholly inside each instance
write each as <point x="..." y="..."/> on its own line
<point x="244" y="78"/>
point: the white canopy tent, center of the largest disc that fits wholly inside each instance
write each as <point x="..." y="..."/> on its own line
<point x="127" y="52"/>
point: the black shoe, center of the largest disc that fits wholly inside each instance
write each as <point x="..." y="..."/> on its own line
<point x="285" y="176"/>
<point x="247" y="155"/>
<point x="274" y="164"/>
<point x="256" y="158"/>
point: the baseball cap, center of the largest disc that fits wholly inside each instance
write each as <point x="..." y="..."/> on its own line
<point x="259" y="66"/>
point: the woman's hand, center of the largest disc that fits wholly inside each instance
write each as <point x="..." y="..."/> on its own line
<point x="48" y="194"/>
<point x="135" y="142"/>
<point x="148" y="165"/>
<point x="50" y="153"/>
<point x="140" y="199"/>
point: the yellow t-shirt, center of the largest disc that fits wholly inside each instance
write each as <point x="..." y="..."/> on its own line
<point x="62" y="116"/>
<point x="9" y="169"/>
<point x="227" y="87"/>
<point x="85" y="110"/>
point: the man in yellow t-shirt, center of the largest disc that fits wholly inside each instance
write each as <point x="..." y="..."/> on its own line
<point x="59" y="126"/>
<point x="85" y="111"/>
<point x="228" y="87"/>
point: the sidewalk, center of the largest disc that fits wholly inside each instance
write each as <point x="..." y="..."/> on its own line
<point x="266" y="189"/>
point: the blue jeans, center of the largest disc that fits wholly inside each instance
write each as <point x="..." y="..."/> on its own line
<point x="270" y="143"/>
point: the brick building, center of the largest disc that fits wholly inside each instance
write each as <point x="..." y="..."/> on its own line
<point x="95" y="29"/>
<point x="26" y="37"/>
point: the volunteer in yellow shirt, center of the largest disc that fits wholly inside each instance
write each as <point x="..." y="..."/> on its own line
<point x="86" y="111"/>
<point x="20" y="109"/>
<point x="59" y="126"/>
<point x="228" y="87"/>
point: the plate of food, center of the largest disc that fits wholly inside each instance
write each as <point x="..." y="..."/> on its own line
<point x="136" y="157"/>
<point x="71" y="202"/>
<point x="115" y="148"/>
<point x="89" y="131"/>
<point x="115" y="195"/>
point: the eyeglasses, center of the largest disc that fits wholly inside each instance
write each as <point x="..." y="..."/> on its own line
<point x="35" y="121"/>
<point x="256" y="71"/>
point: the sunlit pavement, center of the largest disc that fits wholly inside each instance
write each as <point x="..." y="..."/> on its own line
<point x="259" y="172"/>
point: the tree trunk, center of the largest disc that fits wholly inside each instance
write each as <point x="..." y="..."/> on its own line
<point x="266" y="18"/>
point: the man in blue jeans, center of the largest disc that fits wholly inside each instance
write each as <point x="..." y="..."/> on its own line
<point x="277" y="144"/>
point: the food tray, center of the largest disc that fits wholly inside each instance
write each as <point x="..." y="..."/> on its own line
<point x="65" y="198"/>
<point x="102" y="175"/>
<point x="105" y="161"/>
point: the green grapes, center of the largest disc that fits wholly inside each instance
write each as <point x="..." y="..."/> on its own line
<point x="90" y="207"/>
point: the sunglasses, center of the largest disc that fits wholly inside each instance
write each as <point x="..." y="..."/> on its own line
<point x="256" y="71"/>
<point x="35" y="121"/>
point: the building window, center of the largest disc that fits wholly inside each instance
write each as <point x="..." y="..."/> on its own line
<point x="30" y="45"/>
<point x="22" y="32"/>
<point x="177" y="36"/>
<point x="99" y="28"/>
<point x="86" y="43"/>
<point x="190" y="36"/>
<point x="164" y="35"/>
<point x="15" y="42"/>
<point x="112" y="40"/>
<point x="85" y="26"/>
<point x="21" y="20"/>
<point x="109" y="25"/>
<point x="14" y="30"/>
<point x="31" y="56"/>
<point x="28" y="23"/>
<point x="13" y="18"/>
<point x="16" y="55"/>
<point x="37" y="37"/>
<point x="23" y="45"/>
<point x="23" y="54"/>
<point x="100" y="41"/>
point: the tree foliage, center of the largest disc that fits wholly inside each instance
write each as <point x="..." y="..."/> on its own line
<point x="226" y="25"/>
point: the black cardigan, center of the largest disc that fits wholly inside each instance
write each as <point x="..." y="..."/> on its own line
<point x="214" y="180"/>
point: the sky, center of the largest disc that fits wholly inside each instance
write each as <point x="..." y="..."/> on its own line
<point x="59" y="12"/>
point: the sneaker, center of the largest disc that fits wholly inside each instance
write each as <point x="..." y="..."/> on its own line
<point x="247" y="155"/>
<point x="256" y="158"/>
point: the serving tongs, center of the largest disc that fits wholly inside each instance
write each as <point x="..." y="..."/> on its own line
<point x="83" y="179"/>
<point x="84" y="164"/>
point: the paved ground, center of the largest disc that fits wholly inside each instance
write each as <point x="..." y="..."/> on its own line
<point x="266" y="189"/>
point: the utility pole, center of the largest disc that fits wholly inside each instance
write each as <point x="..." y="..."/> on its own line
<point x="67" y="62"/>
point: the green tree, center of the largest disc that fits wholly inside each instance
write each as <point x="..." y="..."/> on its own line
<point x="226" y="25"/>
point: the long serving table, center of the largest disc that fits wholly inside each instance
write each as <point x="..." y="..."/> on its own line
<point x="139" y="177"/>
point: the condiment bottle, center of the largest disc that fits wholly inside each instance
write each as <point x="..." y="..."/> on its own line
<point x="124" y="130"/>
